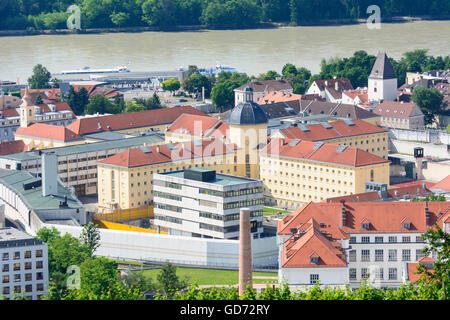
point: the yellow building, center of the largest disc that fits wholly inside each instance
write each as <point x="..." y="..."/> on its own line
<point x="295" y="172"/>
<point x="354" y="133"/>
<point x="126" y="179"/>
<point x="26" y="110"/>
<point x="43" y="136"/>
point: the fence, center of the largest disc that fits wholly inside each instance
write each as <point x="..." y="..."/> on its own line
<point x="125" y="214"/>
<point x="426" y="135"/>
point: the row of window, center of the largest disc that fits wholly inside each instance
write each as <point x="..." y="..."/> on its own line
<point x="379" y="255"/>
<point x="17" y="255"/>
<point x="26" y="266"/>
<point x="228" y="217"/>
<point x="18" y="277"/>
<point x="27" y="288"/>
<point x="241" y="204"/>
<point x="378" y="274"/>
<point x="380" y="239"/>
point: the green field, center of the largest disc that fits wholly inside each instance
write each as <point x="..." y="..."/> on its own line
<point x="214" y="277"/>
<point x="269" y="211"/>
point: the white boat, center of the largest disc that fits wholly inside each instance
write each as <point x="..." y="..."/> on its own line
<point x="87" y="70"/>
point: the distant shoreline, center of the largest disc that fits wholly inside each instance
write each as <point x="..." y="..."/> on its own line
<point x="199" y="28"/>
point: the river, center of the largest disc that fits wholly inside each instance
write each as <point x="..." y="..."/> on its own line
<point x="250" y="51"/>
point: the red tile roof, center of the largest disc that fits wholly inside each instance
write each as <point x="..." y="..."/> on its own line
<point x="130" y="120"/>
<point x="443" y="185"/>
<point x="297" y="253"/>
<point x="397" y="109"/>
<point x="9" y="113"/>
<point x="384" y="217"/>
<point x="48" y="131"/>
<point x="267" y="85"/>
<point x="196" y="125"/>
<point x="321" y="152"/>
<point x="343" y="84"/>
<point x="163" y="153"/>
<point x="10" y="147"/>
<point x="339" y="129"/>
<point x="279" y="96"/>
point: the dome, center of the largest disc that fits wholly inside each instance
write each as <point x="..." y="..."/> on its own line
<point x="247" y="113"/>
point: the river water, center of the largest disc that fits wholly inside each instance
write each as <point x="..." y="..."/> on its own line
<point x="250" y="51"/>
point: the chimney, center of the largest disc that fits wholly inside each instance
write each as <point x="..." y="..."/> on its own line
<point x="336" y="85"/>
<point x="157" y="149"/>
<point x="427" y="214"/>
<point x="343" y="214"/>
<point x="49" y="174"/>
<point x="245" y="251"/>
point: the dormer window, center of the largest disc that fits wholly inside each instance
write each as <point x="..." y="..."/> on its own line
<point x="314" y="260"/>
<point x="406" y="225"/>
<point x="365" y="225"/>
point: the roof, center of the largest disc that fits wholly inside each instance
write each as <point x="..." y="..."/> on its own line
<point x="197" y="125"/>
<point x="247" y="113"/>
<point x="150" y="155"/>
<point x="266" y="85"/>
<point x="47" y="95"/>
<point x="341" y="84"/>
<point x="220" y="179"/>
<point x="130" y="120"/>
<point x="89" y="147"/>
<point x="321" y="152"/>
<point x="341" y="110"/>
<point x="362" y="94"/>
<point x="332" y="130"/>
<point x="33" y="197"/>
<point x="279" y="96"/>
<point x="382" y="68"/>
<point x="297" y="252"/>
<point x="48" y="131"/>
<point x="443" y="185"/>
<point x="397" y="109"/>
<point x="384" y="217"/>
<point x="413" y="275"/>
<point x="9" y="147"/>
<point x="10" y="237"/>
<point x="278" y="110"/>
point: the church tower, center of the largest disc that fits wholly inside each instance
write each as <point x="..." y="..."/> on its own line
<point x="26" y="110"/>
<point x="248" y="130"/>
<point x="382" y="80"/>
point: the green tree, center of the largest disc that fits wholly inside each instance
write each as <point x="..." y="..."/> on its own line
<point x="120" y="19"/>
<point x="137" y="280"/>
<point x="194" y="84"/>
<point x="168" y="279"/>
<point x="40" y="78"/>
<point x="90" y="235"/>
<point x="222" y="95"/>
<point x="429" y="100"/>
<point x="171" y="85"/>
<point x="101" y="104"/>
<point x="133" y="107"/>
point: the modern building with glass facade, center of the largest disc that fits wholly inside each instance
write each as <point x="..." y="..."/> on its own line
<point x="199" y="202"/>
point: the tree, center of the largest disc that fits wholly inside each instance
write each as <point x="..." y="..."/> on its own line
<point x="137" y="280"/>
<point x="38" y="100"/>
<point x="194" y="84"/>
<point x="40" y="78"/>
<point x="78" y="100"/>
<point x="91" y="237"/>
<point x="101" y="104"/>
<point x="438" y="242"/>
<point x="222" y="95"/>
<point x="120" y="18"/>
<point x="171" y="85"/>
<point x="133" y="107"/>
<point x="429" y="100"/>
<point x="168" y="279"/>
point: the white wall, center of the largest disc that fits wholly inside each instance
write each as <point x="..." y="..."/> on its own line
<point x="301" y="276"/>
<point x="176" y="249"/>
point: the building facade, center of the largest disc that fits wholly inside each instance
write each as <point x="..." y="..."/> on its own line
<point x="201" y="203"/>
<point x="261" y="89"/>
<point x="382" y="80"/>
<point x="24" y="265"/>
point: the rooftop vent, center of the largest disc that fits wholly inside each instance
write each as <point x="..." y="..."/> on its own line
<point x="146" y="150"/>
<point x="303" y="127"/>
<point x="341" y="149"/>
<point x="317" y="145"/>
<point x="326" y="125"/>
<point x="295" y="142"/>
<point x="349" y="122"/>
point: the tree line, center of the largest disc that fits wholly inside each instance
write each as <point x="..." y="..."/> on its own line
<point x="51" y="14"/>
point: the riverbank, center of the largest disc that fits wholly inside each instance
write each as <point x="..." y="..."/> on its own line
<point x="200" y="28"/>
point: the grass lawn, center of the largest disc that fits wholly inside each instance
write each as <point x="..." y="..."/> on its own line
<point x="269" y="211"/>
<point x="214" y="277"/>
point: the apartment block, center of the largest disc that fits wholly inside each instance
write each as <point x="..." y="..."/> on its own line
<point x="199" y="202"/>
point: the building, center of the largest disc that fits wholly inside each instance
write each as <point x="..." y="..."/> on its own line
<point x="48" y="96"/>
<point x="354" y="133"/>
<point x="9" y="147"/>
<point x="150" y="120"/>
<point x="43" y="136"/>
<point x="261" y="89"/>
<point x="295" y="171"/>
<point x="126" y="179"/>
<point x="279" y="96"/>
<point x="382" y="80"/>
<point x="94" y="88"/>
<point x="358" y="97"/>
<point x="202" y="203"/>
<point x="366" y="240"/>
<point x="24" y="267"/>
<point x="77" y="164"/>
<point x="8" y="102"/>
<point x="330" y="89"/>
<point x="340" y="110"/>
<point x="32" y="200"/>
<point x="399" y="115"/>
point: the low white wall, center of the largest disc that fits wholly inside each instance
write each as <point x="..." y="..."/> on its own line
<point x="429" y="149"/>
<point x="176" y="249"/>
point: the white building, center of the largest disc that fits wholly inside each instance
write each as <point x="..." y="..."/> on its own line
<point x="201" y="203"/>
<point x="261" y="89"/>
<point x="382" y="80"/>
<point x="352" y="242"/>
<point x="24" y="265"/>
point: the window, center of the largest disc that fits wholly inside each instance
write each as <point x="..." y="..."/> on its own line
<point x="5" y="279"/>
<point x="392" y="255"/>
<point x="5" y="268"/>
<point x="352" y="255"/>
<point x="28" y="288"/>
<point x="27" y="265"/>
<point x="365" y="255"/>
<point x="406" y="239"/>
<point x="365" y="239"/>
<point x="5" y="256"/>
<point x="314" y="260"/>
<point x="419" y="254"/>
<point x="365" y="226"/>
<point x="39" y="276"/>
<point x="6" y="290"/>
<point x="392" y="273"/>
<point x="378" y="239"/>
<point x="38" y="253"/>
<point x="17" y="277"/>
<point x="16" y="267"/>
<point x="419" y="239"/>
<point x="16" y="255"/>
<point x="392" y="239"/>
<point x="39" y="265"/>
<point x="352" y="273"/>
<point x="406" y="255"/>
<point x="40" y="287"/>
<point x="379" y="256"/>
<point x="313" y="278"/>
<point x="379" y="274"/>
<point x="364" y="273"/>
<point x="17" y="289"/>
<point x="27" y="254"/>
<point x="28" y="277"/>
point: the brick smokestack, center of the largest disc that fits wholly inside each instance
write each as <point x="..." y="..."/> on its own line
<point x="245" y="251"/>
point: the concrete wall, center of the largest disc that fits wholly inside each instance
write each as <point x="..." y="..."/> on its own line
<point x="429" y="149"/>
<point x="434" y="136"/>
<point x="301" y="276"/>
<point x="2" y="215"/>
<point x="176" y="249"/>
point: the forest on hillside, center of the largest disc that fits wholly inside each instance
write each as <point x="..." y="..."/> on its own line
<point x="52" y="14"/>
